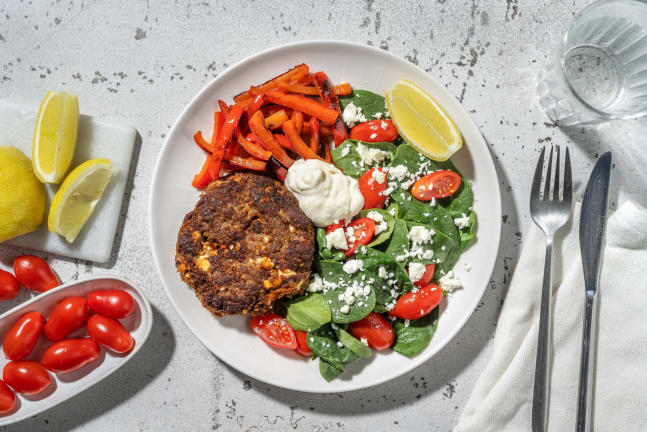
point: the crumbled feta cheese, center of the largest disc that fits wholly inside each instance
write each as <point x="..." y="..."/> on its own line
<point x="370" y="155"/>
<point x="467" y="266"/>
<point x="339" y="344"/>
<point x="384" y="125"/>
<point x="450" y="282"/>
<point x="336" y="239"/>
<point x="352" y="115"/>
<point x="364" y="341"/>
<point x="378" y="176"/>
<point x="420" y="234"/>
<point x="352" y="266"/>
<point x="316" y="283"/>
<point x="432" y="202"/>
<point x="406" y="323"/>
<point x="428" y="254"/>
<point x="416" y="271"/>
<point x="380" y="223"/>
<point x="345" y="151"/>
<point x="398" y="172"/>
<point x="392" y="211"/>
<point x="462" y="222"/>
<point x="344" y="309"/>
<point x="381" y="272"/>
<point x="378" y="115"/>
<point x="373" y="136"/>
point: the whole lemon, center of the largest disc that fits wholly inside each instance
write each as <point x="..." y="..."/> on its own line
<point x="22" y="196"/>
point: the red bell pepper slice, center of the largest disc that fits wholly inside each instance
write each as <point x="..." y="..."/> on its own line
<point x="296" y="73"/>
<point x="301" y="147"/>
<point x="327" y="94"/>
<point x="203" y="178"/>
<point x="252" y="147"/>
<point x="303" y="104"/>
<point x="314" y="135"/>
<point x="218" y="121"/>
<point x="284" y="142"/>
<point x="248" y="163"/>
<point x="202" y="143"/>
<point x="257" y="126"/>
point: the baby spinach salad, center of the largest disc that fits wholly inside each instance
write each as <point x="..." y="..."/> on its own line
<point x="408" y="258"/>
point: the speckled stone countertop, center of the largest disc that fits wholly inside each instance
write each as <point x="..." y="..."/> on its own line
<point x="144" y="60"/>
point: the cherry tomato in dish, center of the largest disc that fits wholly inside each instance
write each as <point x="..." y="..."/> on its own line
<point x="34" y="273"/>
<point x="372" y="184"/>
<point x="7" y="398"/>
<point x="414" y="305"/>
<point x="69" y="314"/>
<point x="113" y="303"/>
<point x="9" y="285"/>
<point x="333" y="227"/>
<point x="70" y="354"/>
<point x="375" y="329"/>
<point x="23" y="335"/>
<point x="427" y="276"/>
<point x="374" y="131"/>
<point x="110" y="333"/>
<point x="26" y="377"/>
<point x="438" y="184"/>
<point x="359" y="232"/>
<point x="302" y="343"/>
<point x="275" y="331"/>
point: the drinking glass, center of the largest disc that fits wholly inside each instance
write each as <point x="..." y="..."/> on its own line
<point x="599" y="70"/>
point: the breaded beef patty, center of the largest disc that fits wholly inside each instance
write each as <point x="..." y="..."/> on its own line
<point x="245" y="245"/>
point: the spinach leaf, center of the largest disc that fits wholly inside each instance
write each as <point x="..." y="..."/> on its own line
<point x="352" y="343"/>
<point x="461" y="202"/>
<point x="386" y="234"/>
<point x="467" y="234"/>
<point x="308" y="312"/>
<point x="325" y="252"/>
<point x="328" y="371"/>
<point x="442" y="245"/>
<point x="337" y="281"/>
<point x="370" y="103"/>
<point x="346" y="158"/>
<point x="399" y="243"/>
<point x="323" y="344"/>
<point x="416" y="211"/>
<point x="412" y="339"/>
<point x="394" y="276"/>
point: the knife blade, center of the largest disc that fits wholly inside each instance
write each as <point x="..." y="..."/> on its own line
<point x="593" y="221"/>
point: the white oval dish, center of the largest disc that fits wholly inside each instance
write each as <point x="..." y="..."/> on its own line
<point x="64" y="386"/>
<point x="172" y="196"/>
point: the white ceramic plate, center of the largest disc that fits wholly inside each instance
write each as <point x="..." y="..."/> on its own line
<point x="64" y="386"/>
<point x="172" y="197"/>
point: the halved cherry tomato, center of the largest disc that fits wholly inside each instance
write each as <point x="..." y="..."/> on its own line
<point x="70" y="354"/>
<point x="414" y="305"/>
<point x="274" y="330"/>
<point x="23" y="335"/>
<point x="113" y="303"/>
<point x="34" y="273"/>
<point x="302" y="343"/>
<point x="26" y="377"/>
<point x="110" y="334"/>
<point x="372" y="189"/>
<point x="374" y="131"/>
<point x="69" y="314"/>
<point x="363" y="230"/>
<point x="9" y="285"/>
<point x="438" y="184"/>
<point x="375" y="329"/>
<point x="7" y="398"/>
<point x="427" y="276"/>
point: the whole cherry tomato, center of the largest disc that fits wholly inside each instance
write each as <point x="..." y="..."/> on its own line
<point x="23" y="335"/>
<point x="70" y="354"/>
<point x="359" y="232"/>
<point x="69" y="315"/>
<point x="110" y="334"/>
<point x="374" y="131"/>
<point x="371" y="184"/>
<point x="438" y="184"/>
<point x="375" y="329"/>
<point x="414" y="305"/>
<point x="26" y="377"/>
<point x="302" y="343"/>
<point x="427" y="275"/>
<point x="274" y="330"/>
<point x="34" y="273"/>
<point x="113" y="303"/>
<point x="7" y="398"/>
<point x="9" y="285"/>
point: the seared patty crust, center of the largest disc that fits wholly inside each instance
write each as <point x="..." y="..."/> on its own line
<point x="245" y="245"/>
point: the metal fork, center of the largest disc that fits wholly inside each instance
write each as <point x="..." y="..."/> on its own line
<point x="550" y="215"/>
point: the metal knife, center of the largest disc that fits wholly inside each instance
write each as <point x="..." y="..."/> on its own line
<point x="593" y="218"/>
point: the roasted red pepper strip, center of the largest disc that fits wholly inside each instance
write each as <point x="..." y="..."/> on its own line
<point x="218" y="121"/>
<point x="224" y="108"/>
<point x="303" y="104"/>
<point x="257" y="126"/>
<point x="231" y="121"/>
<point x="251" y="147"/>
<point x="297" y="118"/>
<point x="296" y="73"/>
<point x="248" y="163"/>
<point x="202" y="143"/>
<point x="216" y="162"/>
<point x="327" y="94"/>
<point x="340" y="90"/>
<point x="255" y="105"/>
<point x="275" y="120"/>
<point x="233" y="149"/>
<point x="343" y="89"/>
<point x="203" y="178"/>
<point x="301" y="147"/>
<point x="284" y="142"/>
<point x="314" y="135"/>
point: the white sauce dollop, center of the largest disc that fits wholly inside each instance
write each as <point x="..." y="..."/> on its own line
<point x="325" y="194"/>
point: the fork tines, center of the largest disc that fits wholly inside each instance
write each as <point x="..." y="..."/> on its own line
<point x="536" y="192"/>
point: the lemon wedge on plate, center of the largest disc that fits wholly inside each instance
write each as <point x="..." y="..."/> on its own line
<point x="54" y="140"/>
<point x="422" y="122"/>
<point x="78" y="195"/>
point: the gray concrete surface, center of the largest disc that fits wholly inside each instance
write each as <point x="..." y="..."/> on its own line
<point x="144" y="60"/>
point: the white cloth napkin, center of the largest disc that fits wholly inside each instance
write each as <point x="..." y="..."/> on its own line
<point x="502" y="398"/>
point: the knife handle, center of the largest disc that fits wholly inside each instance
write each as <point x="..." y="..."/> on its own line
<point x="585" y="392"/>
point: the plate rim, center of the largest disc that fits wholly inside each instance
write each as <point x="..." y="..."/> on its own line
<point x="496" y="195"/>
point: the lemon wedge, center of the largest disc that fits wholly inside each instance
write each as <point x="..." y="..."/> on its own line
<point x="422" y="122"/>
<point x="55" y="133"/>
<point x="76" y="198"/>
